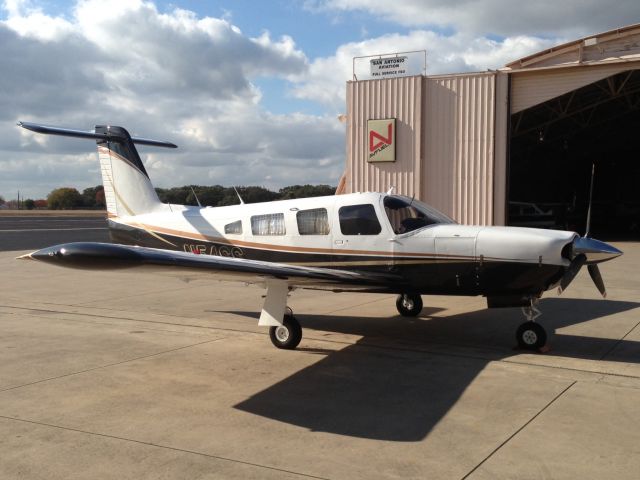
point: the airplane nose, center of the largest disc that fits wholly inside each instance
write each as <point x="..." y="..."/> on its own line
<point x="594" y="250"/>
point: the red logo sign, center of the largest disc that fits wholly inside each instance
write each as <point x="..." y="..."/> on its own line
<point x="373" y="136"/>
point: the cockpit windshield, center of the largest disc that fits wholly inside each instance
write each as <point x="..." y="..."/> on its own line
<point x="406" y="214"/>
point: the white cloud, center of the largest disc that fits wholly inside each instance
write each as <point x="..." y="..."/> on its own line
<point x="28" y="20"/>
<point x="190" y="79"/>
<point x="325" y="80"/>
<point x="173" y="76"/>
<point x="569" y="18"/>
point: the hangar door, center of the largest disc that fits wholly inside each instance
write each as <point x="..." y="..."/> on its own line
<point x="561" y="125"/>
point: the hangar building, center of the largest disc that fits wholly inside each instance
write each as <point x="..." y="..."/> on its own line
<point x="514" y="146"/>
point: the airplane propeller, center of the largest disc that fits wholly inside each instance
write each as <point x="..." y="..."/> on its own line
<point x="590" y="251"/>
<point x="572" y="271"/>
<point x="594" y="272"/>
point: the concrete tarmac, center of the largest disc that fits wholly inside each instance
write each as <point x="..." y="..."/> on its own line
<point x="127" y="375"/>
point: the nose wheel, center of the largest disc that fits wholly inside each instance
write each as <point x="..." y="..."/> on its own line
<point x="531" y="335"/>
<point x="409" y="305"/>
<point x="288" y="335"/>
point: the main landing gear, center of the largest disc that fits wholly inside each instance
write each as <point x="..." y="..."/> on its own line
<point x="288" y="335"/>
<point x="409" y="305"/>
<point x="531" y="335"/>
<point x="284" y="330"/>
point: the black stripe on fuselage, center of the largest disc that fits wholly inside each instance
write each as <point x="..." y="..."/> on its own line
<point x="428" y="275"/>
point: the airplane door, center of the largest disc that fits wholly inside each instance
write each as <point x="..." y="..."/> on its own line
<point x="359" y="239"/>
<point x="457" y="265"/>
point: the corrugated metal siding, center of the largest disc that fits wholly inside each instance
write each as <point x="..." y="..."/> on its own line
<point x="399" y="98"/>
<point x="459" y="146"/>
<point x="529" y="88"/>
<point x="501" y="143"/>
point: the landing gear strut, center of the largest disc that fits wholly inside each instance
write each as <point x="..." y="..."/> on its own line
<point x="288" y="335"/>
<point x="409" y="305"/>
<point x="531" y="335"/>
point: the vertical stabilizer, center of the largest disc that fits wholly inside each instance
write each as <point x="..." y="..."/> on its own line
<point x="127" y="188"/>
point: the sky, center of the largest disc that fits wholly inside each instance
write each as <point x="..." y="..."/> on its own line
<point x="250" y="91"/>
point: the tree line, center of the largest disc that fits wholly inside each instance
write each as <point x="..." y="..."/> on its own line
<point x="67" y="198"/>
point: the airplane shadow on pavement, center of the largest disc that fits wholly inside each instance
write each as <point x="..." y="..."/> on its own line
<point x="402" y="377"/>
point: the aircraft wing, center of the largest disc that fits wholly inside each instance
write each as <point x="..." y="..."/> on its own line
<point x="108" y="256"/>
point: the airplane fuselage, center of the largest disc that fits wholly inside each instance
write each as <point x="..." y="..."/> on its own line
<point x="440" y="258"/>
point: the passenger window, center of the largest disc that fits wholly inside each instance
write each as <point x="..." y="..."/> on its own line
<point x="359" y="220"/>
<point x="269" y="224"/>
<point x="234" y="228"/>
<point x="313" y="222"/>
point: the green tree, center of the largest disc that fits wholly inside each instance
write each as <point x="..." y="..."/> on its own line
<point x="29" y="204"/>
<point x="208" y="196"/>
<point x="2" y="201"/>
<point x="90" y="196"/>
<point x="64" y="199"/>
<point x="249" y="195"/>
<point x="175" y="195"/>
<point x="304" y="191"/>
<point x="100" y="199"/>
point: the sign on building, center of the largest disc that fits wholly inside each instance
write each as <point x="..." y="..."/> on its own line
<point x="382" y="140"/>
<point x="388" y="67"/>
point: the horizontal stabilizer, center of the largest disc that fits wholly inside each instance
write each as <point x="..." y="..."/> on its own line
<point x="108" y="136"/>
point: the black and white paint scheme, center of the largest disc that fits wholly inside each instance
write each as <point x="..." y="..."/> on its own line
<point x="361" y="242"/>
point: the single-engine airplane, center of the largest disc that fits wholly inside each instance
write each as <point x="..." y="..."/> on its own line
<point x="362" y="242"/>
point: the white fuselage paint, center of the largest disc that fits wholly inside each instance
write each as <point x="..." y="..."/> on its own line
<point x="445" y="241"/>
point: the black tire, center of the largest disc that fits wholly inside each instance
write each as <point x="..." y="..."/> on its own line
<point x="531" y="336"/>
<point x="409" y="305"/>
<point x="288" y="335"/>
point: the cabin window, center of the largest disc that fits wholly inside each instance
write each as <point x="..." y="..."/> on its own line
<point x="407" y="214"/>
<point x="313" y="222"/>
<point x="234" y="228"/>
<point x="269" y="224"/>
<point x="359" y="220"/>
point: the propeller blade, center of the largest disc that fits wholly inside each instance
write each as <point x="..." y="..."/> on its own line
<point x="572" y="271"/>
<point x="594" y="271"/>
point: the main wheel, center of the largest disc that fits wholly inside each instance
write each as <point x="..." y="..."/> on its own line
<point x="409" y="305"/>
<point x="531" y="336"/>
<point x="287" y="335"/>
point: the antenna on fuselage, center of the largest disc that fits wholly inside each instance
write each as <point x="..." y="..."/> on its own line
<point x="593" y="172"/>
<point x="194" y="194"/>
<point x="239" y="197"/>
<point x="390" y="191"/>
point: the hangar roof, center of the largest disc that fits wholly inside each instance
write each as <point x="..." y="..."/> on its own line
<point x="615" y="46"/>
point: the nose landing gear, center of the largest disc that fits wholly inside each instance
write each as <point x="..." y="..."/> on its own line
<point x="531" y="335"/>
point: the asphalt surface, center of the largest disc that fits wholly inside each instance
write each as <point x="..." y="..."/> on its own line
<point x="26" y="233"/>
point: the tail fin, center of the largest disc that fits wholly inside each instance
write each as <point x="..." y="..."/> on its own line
<point x="127" y="187"/>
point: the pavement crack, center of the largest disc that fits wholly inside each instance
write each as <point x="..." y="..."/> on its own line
<point x="166" y="447"/>
<point x="513" y="435"/>
<point x="109" y="365"/>
<point x="615" y="345"/>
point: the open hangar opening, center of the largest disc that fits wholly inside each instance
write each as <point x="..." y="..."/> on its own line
<point x="554" y="147"/>
<point x="575" y="109"/>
